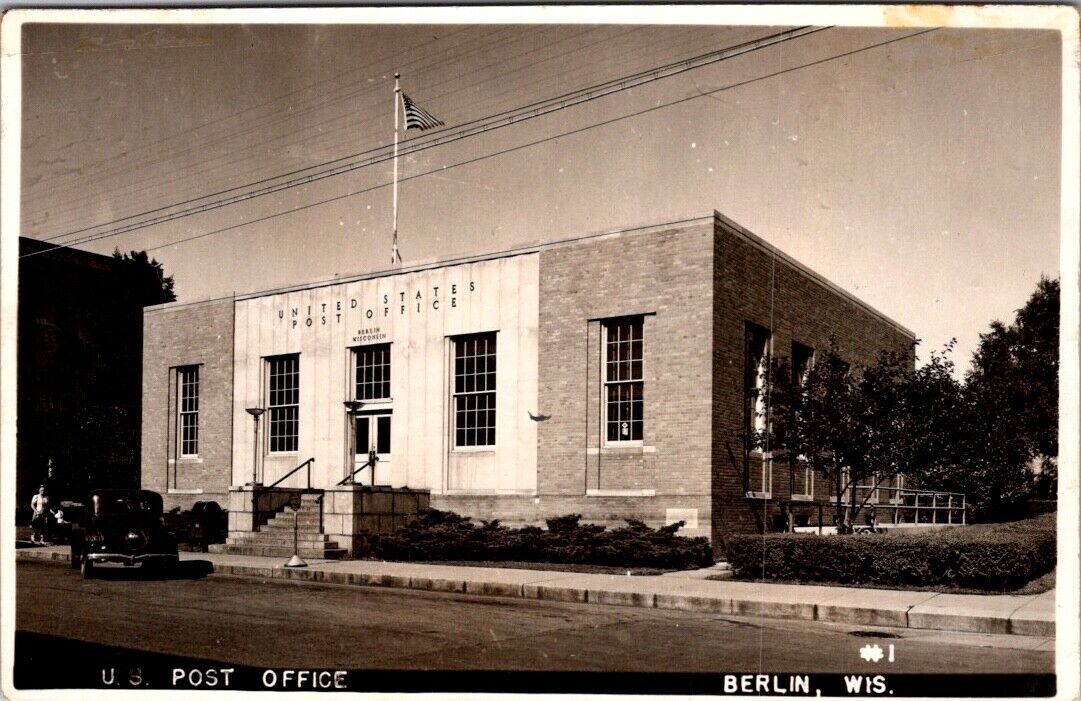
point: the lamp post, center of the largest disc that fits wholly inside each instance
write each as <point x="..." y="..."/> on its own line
<point x="352" y="406"/>
<point x="255" y="412"/>
<point x="295" y="560"/>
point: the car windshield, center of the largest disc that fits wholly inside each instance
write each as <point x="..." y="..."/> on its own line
<point x="123" y="504"/>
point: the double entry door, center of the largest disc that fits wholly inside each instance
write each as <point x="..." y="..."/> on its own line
<point x="372" y="432"/>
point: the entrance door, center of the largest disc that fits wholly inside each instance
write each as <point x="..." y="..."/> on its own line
<point x="373" y="433"/>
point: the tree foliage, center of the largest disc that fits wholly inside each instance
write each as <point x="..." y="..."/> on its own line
<point x="993" y="436"/>
<point x="150" y="284"/>
<point x="1010" y="446"/>
<point x="865" y="425"/>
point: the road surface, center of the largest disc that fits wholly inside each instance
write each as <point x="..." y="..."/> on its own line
<point x="284" y="624"/>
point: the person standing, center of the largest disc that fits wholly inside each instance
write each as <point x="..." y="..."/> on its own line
<point x="39" y="520"/>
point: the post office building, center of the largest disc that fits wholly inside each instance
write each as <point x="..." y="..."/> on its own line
<point x="610" y="375"/>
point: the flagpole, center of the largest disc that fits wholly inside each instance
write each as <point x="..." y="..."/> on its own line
<point x="395" y="257"/>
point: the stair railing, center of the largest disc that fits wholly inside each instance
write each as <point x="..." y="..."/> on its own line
<point x="259" y="491"/>
<point x="308" y="479"/>
<point x="351" y="478"/>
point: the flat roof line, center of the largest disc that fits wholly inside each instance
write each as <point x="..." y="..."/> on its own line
<point x="715" y="217"/>
<point x="462" y="260"/>
<point x="752" y="238"/>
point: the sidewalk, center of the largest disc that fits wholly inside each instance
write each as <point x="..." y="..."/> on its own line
<point x="1000" y="614"/>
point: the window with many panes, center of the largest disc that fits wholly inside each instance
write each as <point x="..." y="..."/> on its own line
<point x="372" y="372"/>
<point x="802" y="474"/>
<point x="756" y="376"/>
<point x="188" y="383"/>
<point x="756" y="402"/>
<point x="474" y="390"/>
<point x="283" y="374"/>
<point x="623" y="383"/>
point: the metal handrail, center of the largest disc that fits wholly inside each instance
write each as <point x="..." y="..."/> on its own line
<point x="953" y="502"/>
<point x="307" y="463"/>
<point x="907" y="490"/>
<point x="372" y="459"/>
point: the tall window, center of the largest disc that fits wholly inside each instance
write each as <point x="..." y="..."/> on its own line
<point x="474" y="390"/>
<point x="188" y="380"/>
<point x="802" y="475"/>
<point x="755" y="376"/>
<point x="756" y="351"/>
<point x="284" y="403"/>
<point x="623" y="379"/>
<point x="373" y="372"/>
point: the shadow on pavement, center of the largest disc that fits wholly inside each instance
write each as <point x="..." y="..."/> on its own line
<point x="185" y="569"/>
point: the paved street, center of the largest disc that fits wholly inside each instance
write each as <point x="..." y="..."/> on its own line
<point x="282" y="624"/>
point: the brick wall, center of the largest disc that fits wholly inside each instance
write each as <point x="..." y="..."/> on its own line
<point x="797" y="307"/>
<point x="196" y="334"/>
<point x="665" y="275"/>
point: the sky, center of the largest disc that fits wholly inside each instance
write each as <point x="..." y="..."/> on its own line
<point x="922" y="175"/>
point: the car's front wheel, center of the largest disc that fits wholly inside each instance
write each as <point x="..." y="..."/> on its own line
<point x="87" y="568"/>
<point x="75" y="557"/>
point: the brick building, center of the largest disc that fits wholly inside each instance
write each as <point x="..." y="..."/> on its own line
<point x="80" y="328"/>
<point x="610" y="375"/>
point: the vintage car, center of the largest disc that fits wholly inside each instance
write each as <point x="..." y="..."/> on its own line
<point x="123" y="526"/>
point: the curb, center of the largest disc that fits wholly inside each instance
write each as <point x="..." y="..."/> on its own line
<point x="900" y="617"/>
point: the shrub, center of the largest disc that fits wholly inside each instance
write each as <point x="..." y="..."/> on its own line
<point x="443" y="535"/>
<point x="999" y="557"/>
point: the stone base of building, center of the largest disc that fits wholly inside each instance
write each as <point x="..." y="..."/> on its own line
<point x="329" y="522"/>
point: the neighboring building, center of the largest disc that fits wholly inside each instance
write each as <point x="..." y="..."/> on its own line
<point x="639" y="346"/>
<point x="79" y="369"/>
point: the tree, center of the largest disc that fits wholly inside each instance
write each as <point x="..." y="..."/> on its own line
<point x="150" y="284"/>
<point x="861" y="427"/>
<point x="1011" y="398"/>
<point x="1022" y="361"/>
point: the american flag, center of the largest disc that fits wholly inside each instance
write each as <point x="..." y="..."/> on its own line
<point x="417" y="117"/>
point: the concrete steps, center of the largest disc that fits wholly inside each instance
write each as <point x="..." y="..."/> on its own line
<point x="276" y="538"/>
<point x="304" y="540"/>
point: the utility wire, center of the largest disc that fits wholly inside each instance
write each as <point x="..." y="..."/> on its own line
<point x="469" y="161"/>
<point x="279" y="176"/>
<point x="467" y="130"/>
<point x="265" y="120"/>
<point x="206" y="167"/>
<point x="252" y="108"/>
<point x="537" y="142"/>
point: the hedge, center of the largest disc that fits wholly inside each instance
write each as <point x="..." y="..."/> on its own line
<point x="999" y="557"/>
<point x="443" y="535"/>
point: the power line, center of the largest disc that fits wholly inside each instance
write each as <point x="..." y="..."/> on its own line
<point x="278" y="115"/>
<point x="537" y="142"/>
<point x="280" y="175"/>
<point x="252" y="108"/>
<point x="467" y="130"/>
<point x="205" y="167"/>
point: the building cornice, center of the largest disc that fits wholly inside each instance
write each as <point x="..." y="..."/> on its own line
<point x="715" y="218"/>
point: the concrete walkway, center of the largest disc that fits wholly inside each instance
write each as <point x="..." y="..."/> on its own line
<point x="1020" y="615"/>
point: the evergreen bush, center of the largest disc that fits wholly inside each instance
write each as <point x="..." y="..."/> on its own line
<point x="993" y="557"/>
<point x="443" y="535"/>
